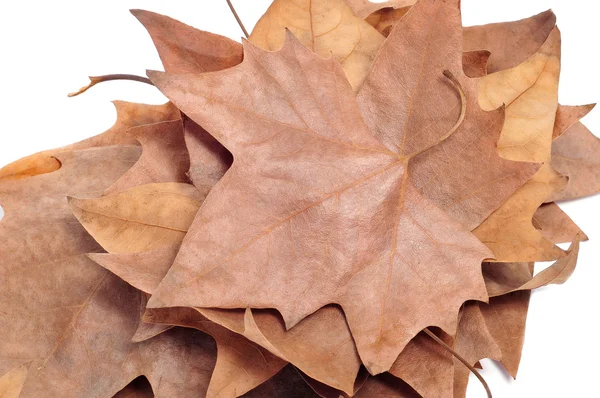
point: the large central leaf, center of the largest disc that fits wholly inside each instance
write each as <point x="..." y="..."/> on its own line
<point x="315" y="210"/>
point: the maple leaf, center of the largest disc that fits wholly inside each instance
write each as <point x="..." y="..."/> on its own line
<point x="296" y="215"/>
<point x="327" y="27"/>
<point x="530" y="92"/>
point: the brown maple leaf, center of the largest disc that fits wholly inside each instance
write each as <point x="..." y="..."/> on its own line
<point x="295" y="216"/>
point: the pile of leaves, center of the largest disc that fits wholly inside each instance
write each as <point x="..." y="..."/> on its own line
<point x="350" y="203"/>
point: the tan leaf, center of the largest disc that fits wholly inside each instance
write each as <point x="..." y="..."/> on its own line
<point x="556" y="225"/>
<point x="530" y="93"/>
<point x="141" y="218"/>
<point x="12" y="382"/>
<point x="386" y="18"/>
<point x="575" y="155"/>
<point x="327" y="27"/>
<point x="568" y="116"/>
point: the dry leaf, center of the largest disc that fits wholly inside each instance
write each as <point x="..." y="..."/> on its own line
<point x="474" y="342"/>
<point x="505" y="318"/>
<point x="209" y="160"/>
<point x="327" y="27"/>
<point x="184" y="49"/>
<point x="426" y="366"/>
<point x="142" y="218"/>
<point x="530" y="93"/>
<point x="510" y="43"/>
<point x="386" y="18"/>
<point x="555" y="225"/>
<point x="567" y="116"/>
<point x="164" y="156"/>
<point x="297" y="210"/>
<point x="288" y="383"/>
<point x="575" y="155"/>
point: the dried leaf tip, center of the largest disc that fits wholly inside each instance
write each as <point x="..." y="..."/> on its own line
<point x="106" y="78"/>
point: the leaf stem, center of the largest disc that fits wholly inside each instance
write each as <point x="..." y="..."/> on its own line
<point x="461" y="359"/>
<point x="237" y="18"/>
<point x="106" y="78"/>
<point x="461" y="118"/>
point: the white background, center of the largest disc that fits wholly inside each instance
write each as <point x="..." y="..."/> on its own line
<point x="47" y="48"/>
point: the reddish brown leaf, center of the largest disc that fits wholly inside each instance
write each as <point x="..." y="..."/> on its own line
<point x="505" y="318"/>
<point x="386" y="385"/>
